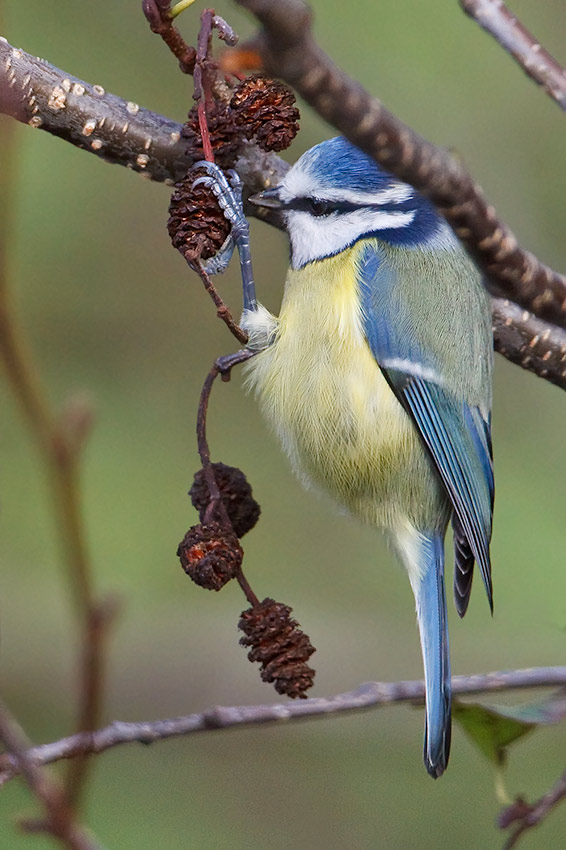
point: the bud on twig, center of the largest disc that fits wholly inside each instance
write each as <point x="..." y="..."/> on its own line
<point x="210" y="555"/>
<point x="280" y="646"/>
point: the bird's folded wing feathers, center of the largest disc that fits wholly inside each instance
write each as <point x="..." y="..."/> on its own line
<point x="455" y="433"/>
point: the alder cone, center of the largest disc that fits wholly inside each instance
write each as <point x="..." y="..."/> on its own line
<point x="279" y="646"/>
<point x="196" y="225"/>
<point x="236" y="493"/>
<point x="265" y="111"/>
<point x="210" y="555"/>
<point x="225" y="134"/>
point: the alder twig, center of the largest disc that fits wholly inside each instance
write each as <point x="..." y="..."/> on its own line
<point x="497" y="20"/>
<point x="161" y="23"/>
<point x="528" y="815"/>
<point x="290" y="52"/>
<point x="203" y="91"/>
<point x="222" y="310"/>
<point x="216" y="508"/>
<point x="368" y="695"/>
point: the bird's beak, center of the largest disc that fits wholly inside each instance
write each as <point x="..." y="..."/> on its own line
<point x="268" y="198"/>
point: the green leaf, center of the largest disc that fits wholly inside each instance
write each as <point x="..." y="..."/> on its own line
<point x="493" y="728"/>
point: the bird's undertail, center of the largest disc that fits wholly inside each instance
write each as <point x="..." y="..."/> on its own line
<point x="430" y="598"/>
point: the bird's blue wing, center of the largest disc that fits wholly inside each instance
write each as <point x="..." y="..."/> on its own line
<point x="454" y="432"/>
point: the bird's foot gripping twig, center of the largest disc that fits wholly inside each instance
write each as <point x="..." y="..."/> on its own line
<point x="228" y="192"/>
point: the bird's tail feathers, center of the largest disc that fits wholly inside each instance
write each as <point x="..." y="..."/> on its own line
<point x="426" y="573"/>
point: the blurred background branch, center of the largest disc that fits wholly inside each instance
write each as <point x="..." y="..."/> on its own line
<point x="58" y="820"/>
<point x="60" y="438"/>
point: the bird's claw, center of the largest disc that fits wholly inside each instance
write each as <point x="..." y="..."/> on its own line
<point x="227" y="191"/>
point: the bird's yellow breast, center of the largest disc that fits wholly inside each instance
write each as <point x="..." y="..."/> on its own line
<point x="333" y="410"/>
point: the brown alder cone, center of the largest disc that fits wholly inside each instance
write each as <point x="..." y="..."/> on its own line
<point x="242" y="509"/>
<point x="210" y="555"/>
<point x="196" y="224"/>
<point x="265" y="112"/>
<point x="225" y="135"/>
<point x="279" y="645"/>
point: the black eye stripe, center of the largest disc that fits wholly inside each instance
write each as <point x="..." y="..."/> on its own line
<point x="320" y="207"/>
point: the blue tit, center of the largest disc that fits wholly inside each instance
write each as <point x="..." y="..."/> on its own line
<point x="376" y="377"/>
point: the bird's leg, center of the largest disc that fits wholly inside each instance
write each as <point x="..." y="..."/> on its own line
<point x="228" y="193"/>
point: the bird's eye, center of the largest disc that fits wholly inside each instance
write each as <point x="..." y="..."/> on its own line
<point x="319" y="208"/>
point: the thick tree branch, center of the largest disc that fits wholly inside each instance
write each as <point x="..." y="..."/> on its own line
<point x="34" y="92"/>
<point x="289" y="51"/>
<point x="39" y="94"/>
<point x="496" y="19"/>
<point x="368" y="695"/>
<point x="529" y="342"/>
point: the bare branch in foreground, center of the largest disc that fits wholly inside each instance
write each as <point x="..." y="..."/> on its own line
<point x="368" y="695"/>
<point x="39" y="94"/>
<point x="496" y="19"/>
<point x="529" y="815"/>
<point x="290" y="52"/>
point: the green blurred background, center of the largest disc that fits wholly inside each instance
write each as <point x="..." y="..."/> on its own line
<point x="112" y="310"/>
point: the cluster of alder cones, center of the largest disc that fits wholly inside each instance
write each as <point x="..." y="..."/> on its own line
<point x="261" y="110"/>
<point x="211" y="554"/>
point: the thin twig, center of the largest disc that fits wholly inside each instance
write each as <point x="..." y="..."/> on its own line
<point x="496" y="19"/>
<point x="368" y="695"/>
<point x="216" y="509"/>
<point x="161" y="23"/>
<point x="58" y="821"/>
<point x="92" y="671"/>
<point x="203" y="92"/>
<point x="529" y="815"/>
<point x="222" y="311"/>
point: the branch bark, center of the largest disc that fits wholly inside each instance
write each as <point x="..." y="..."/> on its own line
<point x="34" y="92"/>
<point x="368" y="695"/>
<point x="497" y="20"/>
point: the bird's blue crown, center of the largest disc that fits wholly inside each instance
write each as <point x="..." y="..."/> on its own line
<point x="337" y="173"/>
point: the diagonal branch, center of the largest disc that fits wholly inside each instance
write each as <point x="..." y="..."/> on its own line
<point x="496" y="19"/>
<point x="368" y="695"/>
<point x="289" y="51"/>
<point x="529" y="342"/>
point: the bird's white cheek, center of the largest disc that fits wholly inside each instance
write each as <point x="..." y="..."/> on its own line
<point x="315" y="238"/>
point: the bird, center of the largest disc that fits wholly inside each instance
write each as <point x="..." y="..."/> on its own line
<point x="376" y="377"/>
